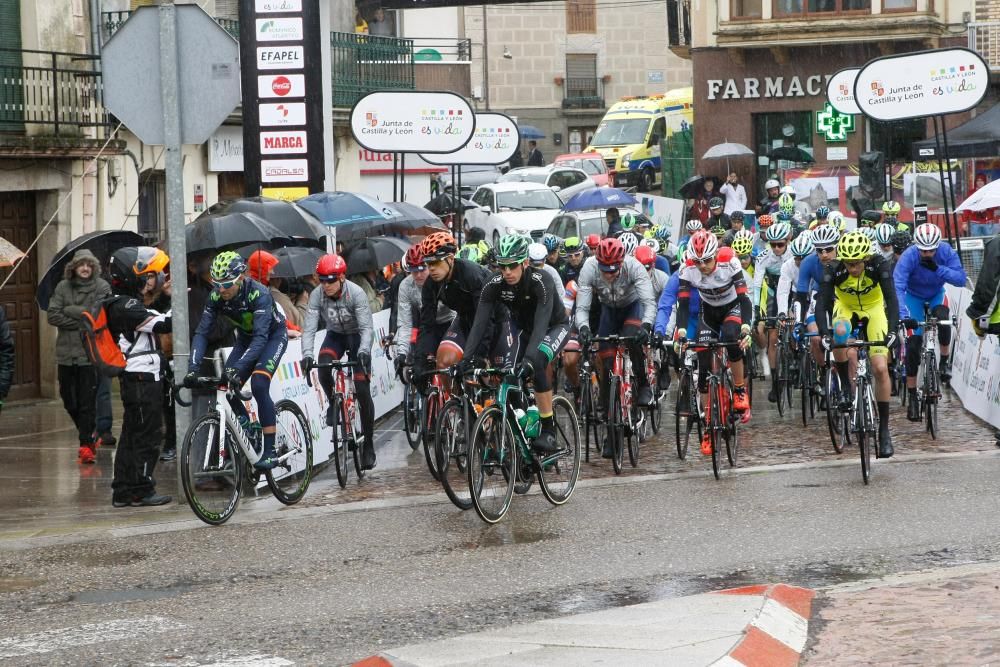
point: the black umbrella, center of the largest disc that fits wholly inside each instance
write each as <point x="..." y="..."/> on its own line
<point x="792" y="154"/>
<point x="284" y="215"/>
<point x="692" y="187"/>
<point x="374" y="253"/>
<point x="445" y="203"/>
<point x="232" y="230"/>
<point x="101" y="243"/>
<point x="296" y="262"/>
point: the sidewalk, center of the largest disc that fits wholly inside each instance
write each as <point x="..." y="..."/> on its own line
<point x="762" y="626"/>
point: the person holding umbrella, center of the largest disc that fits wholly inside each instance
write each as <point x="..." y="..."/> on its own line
<point x="6" y="357"/>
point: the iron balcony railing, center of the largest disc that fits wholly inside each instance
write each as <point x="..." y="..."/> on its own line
<point x="585" y="93"/>
<point x="114" y="20"/>
<point x="984" y="38"/>
<point x="432" y="49"/>
<point x="49" y="88"/>
<point x="361" y="64"/>
<point x="679" y="24"/>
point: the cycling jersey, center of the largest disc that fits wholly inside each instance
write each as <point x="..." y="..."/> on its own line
<point x="658" y="280"/>
<point x="871" y="297"/>
<point x="349" y="313"/>
<point x="768" y="272"/>
<point x="668" y="299"/>
<point x="630" y="285"/>
<point x="408" y="319"/>
<point x="568" y="272"/>
<point x="789" y="277"/>
<point x="459" y="291"/>
<point x="554" y="274"/>
<point x="910" y="276"/>
<point x="724" y="286"/>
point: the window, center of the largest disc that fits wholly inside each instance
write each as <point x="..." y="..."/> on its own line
<point x="483" y="197"/>
<point x="659" y="131"/>
<point x="807" y="7"/>
<point x="899" y="5"/>
<point x="790" y="131"/>
<point x="747" y="9"/>
<point x="581" y="16"/>
<point x="153" y="205"/>
<point x="581" y="75"/>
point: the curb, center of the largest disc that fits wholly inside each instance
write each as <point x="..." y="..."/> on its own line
<point x="777" y="636"/>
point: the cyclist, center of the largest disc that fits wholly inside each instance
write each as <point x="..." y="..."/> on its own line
<point x="765" y="284"/>
<point x="627" y="224"/>
<point x="574" y="252"/>
<point x="408" y="319"/>
<point x="901" y="240"/>
<point x="261" y="339"/>
<point x="539" y="324"/>
<point x="344" y="309"/>
<point x="837" y="221"/>
<point x="883" y="238"/>
<point x="719" y="231"/>
<point x="735" y="226"/>
<point x="625" y="296"/>
<point x="764" y="223"/>
<point x="984" y="307"/>
<point x="800" y="248"/>
<point x="657" y="278"/>
<point x="769" y="203"/>
<point x="592" y="242"/>
<point x="630" y="242"/>
<point x="475" y="247"/>
<point x="742" y="246"/>
<point x="824" y="240"/>
<point x="920" y="277"/>
<point x="666" y="321"/>
<point x="857" y="291"/>
<point x="537" y="256"/>
<point x="869" y="218"/>
<point x="716" y="218"/>
<point x="690" y="228"/>
<point x="786" y="202"/>
<point x="890" y="216"/>
<point x="725" y="312"/>
<point x="552" y="244"/>
<point x="822" y="217"/>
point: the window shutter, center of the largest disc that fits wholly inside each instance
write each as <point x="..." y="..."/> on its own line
<point x="11" y="92"/>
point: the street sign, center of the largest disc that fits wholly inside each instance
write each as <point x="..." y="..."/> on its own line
<point x="208" y="71"/>
<point x="840" y="91"/>
<point x="412" y="122"/>
<point x="494" y="141"/>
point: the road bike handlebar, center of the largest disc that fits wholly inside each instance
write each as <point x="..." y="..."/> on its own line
<point x="207" y="382"/>
<point x="330" y="364"/>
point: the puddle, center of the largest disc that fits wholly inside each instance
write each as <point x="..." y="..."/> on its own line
<point x="507" y="534"/>
<point x="14" y="584"/>
<point x="128" y="595"/>
<point x="111" y="559"/>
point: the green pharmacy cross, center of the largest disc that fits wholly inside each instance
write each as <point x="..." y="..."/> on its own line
<point x="832" y="124"/>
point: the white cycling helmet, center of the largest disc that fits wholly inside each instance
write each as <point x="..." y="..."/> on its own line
<point x="869" y="232"/>
<point x="788" y="190"/>
<point x="771" y="183"/>
<point x="651" y="243"/>
<point x="630" y="242"/>
<point x="537" y="253"/>
<point x="802" y="245"/>
<point x="927" y="237"/>
<point x="884" y="232"/>
<point x="778" y="232"/>
<point x="825" y="236"/>
<point x="693" y="226"/>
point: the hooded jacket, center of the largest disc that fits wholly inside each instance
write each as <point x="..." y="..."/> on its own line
<point x="70" y="299"/>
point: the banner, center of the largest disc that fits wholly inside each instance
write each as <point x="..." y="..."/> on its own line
<point x="402" y="121"/>
<point x="975" y="364"/>
<point x="494" y="141"/>
<point x="663" y="211"/>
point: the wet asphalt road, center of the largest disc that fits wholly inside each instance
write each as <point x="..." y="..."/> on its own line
<point x="327" y="581"/>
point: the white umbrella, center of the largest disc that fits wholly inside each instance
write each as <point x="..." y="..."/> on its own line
<point x="984" y="198"/>
<point x="726" y="150"/>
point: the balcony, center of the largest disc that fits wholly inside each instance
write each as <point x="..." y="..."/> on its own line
<point x="443" y="64"/>
<point x="583" y="94"/>
<point x="361" y="64"/>
<point x="984" y="38"/>
<point x="679" y="27"/>
<point x="111" y="21"/>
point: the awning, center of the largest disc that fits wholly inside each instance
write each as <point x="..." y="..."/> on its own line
<point x="979" y="137"/>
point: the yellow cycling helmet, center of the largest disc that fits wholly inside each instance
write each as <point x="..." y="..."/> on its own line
<point x="854" y="246"/>
<point x="891" y="208"/>
<point x="742" y="246"/>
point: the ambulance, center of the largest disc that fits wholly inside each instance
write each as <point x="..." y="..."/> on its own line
<point x="629" y="135"/>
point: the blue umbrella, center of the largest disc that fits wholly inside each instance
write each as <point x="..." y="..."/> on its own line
<point x="599" y="198"/>
<point x="338" y="208"/>
<point x="530" y="132"/>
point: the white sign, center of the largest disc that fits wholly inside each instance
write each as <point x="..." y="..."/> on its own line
<point x="225" y="149"/>
<point x="494" y="141"/>
<point x="279" y="30"/>
<point x="272" y="143"/>
<point x="836" y="153"/>
<point x="975" y="363"/>
<point x="412" y="122"/>
<point x="840" y="91"/>
<point x="279" y="57"/>
<point x="272" y="6"/>
<point x="284" y="171"/>
<point x="776" y="86"/>
<point x="285" y="113"/>
<point x="281" y="85"/>
<point x="664" y="212"/>
<point x="918" y="85"/>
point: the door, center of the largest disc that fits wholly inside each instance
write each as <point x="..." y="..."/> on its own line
<point x="17" y="225"/>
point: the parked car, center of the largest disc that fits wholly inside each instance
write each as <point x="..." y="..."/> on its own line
<point x="591" y="163"/>
<point x="583" y="223"/>
<point x="513" y="208"/>
<point x="564" y="181"/>
<point x="472" y="176"/>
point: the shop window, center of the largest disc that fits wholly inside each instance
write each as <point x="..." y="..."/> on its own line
<point x="808" y="7"/>
<point x="789" y="131"/>
<point x="747" y="9"/>
<point x="895" y="138"/>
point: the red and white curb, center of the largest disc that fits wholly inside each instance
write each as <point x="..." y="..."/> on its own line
<point x="777" y="636"/>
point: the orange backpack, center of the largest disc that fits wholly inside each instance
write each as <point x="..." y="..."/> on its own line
<point x="100" y="344"/>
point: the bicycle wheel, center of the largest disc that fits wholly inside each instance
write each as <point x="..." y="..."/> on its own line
<point x="865" y="432"/>
<point x="356" y="453"/>
<point x="428" y="426"/>
<point x="492" y="465"/>
<point x="931" y="392"/>
<point x="412" y="408"/>
<point x="805" y="390"/>
<point x="635" y="432"/>
<point x="779" y="379"/>
<point x="715" y="427"/>
<point x="834" y="422"/>
<point x="557" y="474"/>
<point x="616" y="427"/>
<point x="686" y="417"/>
<point x="211" y="469"/>
<point x="588" y="412"/>
<point x="731" y="422"/>
<point x="656" y="409"/>
<point x="749" y="371"/>
<point x="453" y="453"/>
<point x="341" y="438"/>
<point x="289" y="480"/>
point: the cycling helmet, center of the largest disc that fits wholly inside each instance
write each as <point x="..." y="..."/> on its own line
<point x="771" y="183"/>
<point x="693" y="226"/>
<point x="764" y="221"/>
<point x="645" y="255"/>
<point x="854" y="246"/>
<point x="715" y="202"/>
<point x="883" y="234"/>
<point x="610" y="254"/>
<point x="703" y="245"/>
<point x="736" y="216"/>
<point x="627" y="221"/>
<point x="571" y="245"/>
<point x="537" y="253"/>
<point x="891" y="208"/>
<point x="593" y="240"/>
<point x="630" y="242"/>
<point x="822" y="212"/>
<point x="719" y="231"/>
<point x="801" y="246"/>
<point x="652" y="244"/>
<point x="742" y="245"/>
<point x="227" y="266"/>
<point x="121" y="268"/>
<point x="825" y="236"/>
<point x="869" y="232"/>
<point x="788" y="190"/>
<point x="661" y="232"/>
<point x="778" y="232"/>
<point x="927" y="237"/>
<point x="513" y="248"/>
<point x="786" y="202"/>
<point x="150" y="260"/>
<point x="836" y="220"/>
<point x="551" y="242"/>
<point x="784" y="216"/>
<point x="870" y="217"/>
<point x="438" y="245"/>
<point x="413" y="259"/>
<point x="901" y="240"/>
<point x="330" y="267"/>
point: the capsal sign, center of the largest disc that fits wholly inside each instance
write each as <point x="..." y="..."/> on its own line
<point x="412" y="122"/>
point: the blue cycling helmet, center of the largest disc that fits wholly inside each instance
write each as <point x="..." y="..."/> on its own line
<point x="822" y="212"/>
<point x="551" y="242"/>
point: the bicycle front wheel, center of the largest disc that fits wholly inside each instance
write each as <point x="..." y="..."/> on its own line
<point x="411" y="415"/>
<point x="866" y="431"/>
<point x="779" y="380"/>
<point x="557" y="474"/>
<point x="492" y="465"/>
<point x="588" y="411"/>
<point x="836" y="425"/>
<point x="453" y="454"/>
<point x="932" y="389"/>
<point x="428" y="425"/>
<point x="211" y="469"/>
<point x="293" y="443"/>
<point x="616" y="427"/>
<point x="341" y="437"/>
<point x="659" y="395"/>
<point x="732" y="422"/>
<point x="715" y="427"/>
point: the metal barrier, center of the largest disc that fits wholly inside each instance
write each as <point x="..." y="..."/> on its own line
<point x="114" y="20"/>
<point x="361" y="64"/>
<point x="971" y="249"/>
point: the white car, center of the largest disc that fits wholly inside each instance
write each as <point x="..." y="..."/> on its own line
<point x="513" y="208"/>
<point x="564" y="180"/>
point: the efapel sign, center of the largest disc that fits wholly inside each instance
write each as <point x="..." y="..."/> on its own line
<point x="272" y="143"/>
<point x="284" y="171"/>
<point x="749" y="88"/>
<point x="281" y="85"/>
<point x="412" y="122"/>
<point x="279" y="57"/>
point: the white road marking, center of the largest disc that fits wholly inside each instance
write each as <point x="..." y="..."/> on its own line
<point x="82" y="635"/>
<point x="783" y="624"/>
<point x="251" y="661"/>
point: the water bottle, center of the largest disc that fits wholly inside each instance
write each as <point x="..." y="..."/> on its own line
<point x="532" y="424"/>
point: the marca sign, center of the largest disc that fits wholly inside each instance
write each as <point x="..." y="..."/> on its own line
<point x="494" y="141"/>
<point x="917" y="85"/>
<point x="412" y="122"/>
<point x="281" y="85"/>
<point x="840" y="91"/>
<point x="279" y="57"/>
<point x="272" y="143"/>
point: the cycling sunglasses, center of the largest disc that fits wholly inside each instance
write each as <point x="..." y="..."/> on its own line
<point x="778" y="244"/>
<point x="418" y="268"/>
<point x="824" y="251"/>
<point x="329" y="279"/>
<point x="703" y="262"/>
<point x="225" y="284"/>
<point x="509" y="267"/>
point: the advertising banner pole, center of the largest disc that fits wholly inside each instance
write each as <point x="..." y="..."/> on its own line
<point x="949" y="230"/>
<point x="402" y="177"/>
<point x="951" y="184"/>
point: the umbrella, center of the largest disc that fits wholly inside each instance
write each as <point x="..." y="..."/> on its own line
<point x="726" y="150"/>
<point x="445" y="203"/>
<point x="692" y="187"/>
<point x="603" y="197"/>
<point x="231" y="230"/>
<point x="412" y="217"/>
<point x="984" y="198"/>
<point x="101" y="243"/>
<point x="294" y="262"/>
<point x="530" y="132"/>
<point x="792" y="154"/>
<point x="374" y="253"/>
<point x="9" y="253"/>
<point x="338" y="208"/>
<point x="284" y="215"/>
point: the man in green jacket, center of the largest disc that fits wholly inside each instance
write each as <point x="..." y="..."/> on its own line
<point x="80" y="290"/>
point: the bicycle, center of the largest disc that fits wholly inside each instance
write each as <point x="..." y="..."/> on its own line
<point x="590" y="413"/>
<point x="219" y="451"/>
<point x="500" y="454"/>
<point x="624" y="419"/>
<point x="654" y="364"/>
<point x="345" y="419"/>
<point x="899" y="368"/>
<point x="784" y="371"/>
<point x="687" y="412"/>
<point x="838" y="418"/>
<point x="412" y="400"/>
<point x="862" y="408"/>
<point x="929" y="376"/>
<point x="723" y="422"/>
<point x="437" y="395"/>
<point x="807" y="375"/>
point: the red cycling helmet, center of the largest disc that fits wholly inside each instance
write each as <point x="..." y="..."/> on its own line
<point x="593" y="240"/>
<point x="610" y="254"/>
<point x="703" y="245"/>
<point x="414" y="258"/>
<point x="645" y="255"/>
<point x="330" y="267"/>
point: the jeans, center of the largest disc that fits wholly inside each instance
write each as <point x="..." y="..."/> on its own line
<point x="104" y="415"/>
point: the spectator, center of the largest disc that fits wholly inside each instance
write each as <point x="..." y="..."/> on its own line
<point x="516" y="160"/>
<point x="614" y="219"/>
<point x="81" y="289"/>
<point x="360" y="24"/>
<point x="735" y="194"/>
<point x="379" y="25"/>
<point x="366" y="281"/>
<point x="535" y="158"/>
<point x="6" y="357"/>
<point x="261" y="264"/>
